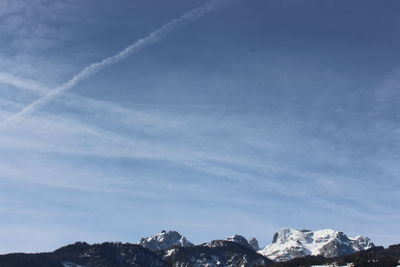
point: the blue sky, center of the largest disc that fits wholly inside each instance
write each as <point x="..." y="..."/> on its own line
<point x="262" y="115"/>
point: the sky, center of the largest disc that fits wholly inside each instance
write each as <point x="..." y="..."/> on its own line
<point x="260" y="115"/>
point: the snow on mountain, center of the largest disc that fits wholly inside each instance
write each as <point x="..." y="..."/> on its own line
<point x="217" y="253"/>
<point x="240" y="240"/>
<point x="290" y="243"/>
<point x="251" y="244"/>
<point x="165" y="240"/>
<point x="361" y="243"/>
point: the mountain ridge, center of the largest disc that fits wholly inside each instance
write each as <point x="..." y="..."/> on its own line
<point x="169" y="248"/>
<point x="290" y="243"/>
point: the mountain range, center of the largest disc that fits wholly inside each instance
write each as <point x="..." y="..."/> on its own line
<point x="289" y="247"/>
<point x="289" y="243"/>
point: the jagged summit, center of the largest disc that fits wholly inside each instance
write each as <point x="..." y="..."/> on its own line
<point x="216" y="253"/>
<point x="165" y="240"/>
<point x="291" y="243"/>
<point x="254" y="243"/>
<point x="361" y="243"/>
<point x="251" y="244"/>
<point x="240" y="240"/>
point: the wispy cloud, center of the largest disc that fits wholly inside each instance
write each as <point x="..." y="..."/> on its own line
<point x="18" y="82"/>
<point x="141" y="132"/>
<point x="83" y="139"/>
<point x="188" y="140"/>
<point x="92" y="69"/>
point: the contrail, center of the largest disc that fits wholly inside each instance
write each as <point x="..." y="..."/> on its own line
<point x="140" y="44"/>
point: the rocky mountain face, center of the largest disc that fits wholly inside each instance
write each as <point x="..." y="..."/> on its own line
<point x="289" y="243"/>
<point x="254" y="244"/>
<point x="240" y="240"/>
<point x="216" y="253"/>
<point x="165" y="240"/>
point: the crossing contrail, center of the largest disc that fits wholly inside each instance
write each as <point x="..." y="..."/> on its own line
<point x="140" y="44"/>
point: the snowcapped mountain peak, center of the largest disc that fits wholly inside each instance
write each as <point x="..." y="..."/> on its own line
<point x="291" y="243"/>
<point x="251" y="244"/>
<point x="240" y="240"/>
<point x="165" y="240"/>
<point x="361" y="243"/>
